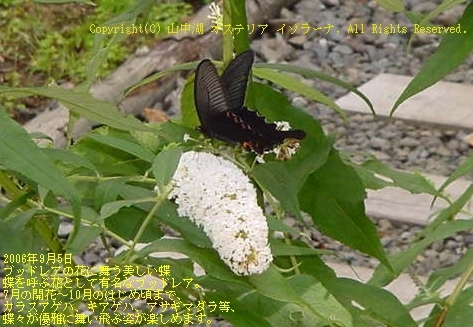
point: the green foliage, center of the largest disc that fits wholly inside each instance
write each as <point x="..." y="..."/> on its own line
<point x="114" y="182"/>
<point x="60" y="43"/>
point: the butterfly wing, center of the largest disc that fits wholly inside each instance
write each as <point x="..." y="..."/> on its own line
<point x="235" y="79"/>
<point x="219" y="103"/>
<point x="209" y="96"/>
<point x="261" y="136"/>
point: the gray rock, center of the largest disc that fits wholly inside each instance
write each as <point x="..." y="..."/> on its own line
<point x="65" y="228"/>
<point x="379" y="143"/>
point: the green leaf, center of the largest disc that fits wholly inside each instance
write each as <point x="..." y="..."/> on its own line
<point x="457" y="314"/>
<point x="310" y="161"/>
<point x="392" y="5"/>
<point x="174" y="133"/>
<point x="165" y="164"/>
<point x="264" y="283"/>
<point x="283" y="249"/>
<point x="333" y="196"/>
<point x="69" y="157"/>
<point x="314" y="307"/>
<point x="206" y="258"/>
<point x="167" y="214"/>
<point x="83" y="104"/>
<point x="442" y="7"/>
<point x="188" y="110"/>
<point x="452" y="51"/>
<point x="401" y="260"/>
<point x="107" y="191"/>
<point x="463" y="169"/>
<point x="14" y="204"/>
<point x="103" y="42"/>
<point x="128" y="220"/>
<point x="124" y="145"/>
<point x="244" y="314"/>
<point x="377" y="302"/>
<point x="109" y="161"/>
<point x="19" y="153"/>
<point x="453" y="209"/>
<point x="273" y="176"/>
<point x="85" y="236"/>
<point x="321" y="301"/>
<point x="85" y="2"/>
<point x="241" y="41"/>
<point x="111" y="208"/>
<point x="278" y="225"/>
<point x="293" y="84"/>
<point x="149" y="140"/>
<point x="461" y="310"/>
<point x="370" y="179"/>
<point x="412" y="182"/>
<point x="441" y="275"/>
<point x="317" y="75"/>
<point x="17" y="238"/>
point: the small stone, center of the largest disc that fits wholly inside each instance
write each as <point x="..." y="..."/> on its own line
<point x="430" y="254"/>
<point x="406" y="236"/>
<point x="298" y="40"/>
<point x="299" y="102"/>
<point x="343" y="49"/>
<point x="409" y="142"/>
<point x="331" y="3"/>
<point x="379" y="143"/>
<point x="65" y="228"/>
<point x="384" y="224"/>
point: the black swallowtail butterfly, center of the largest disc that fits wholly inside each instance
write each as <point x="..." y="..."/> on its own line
<point x="219" y="101"/>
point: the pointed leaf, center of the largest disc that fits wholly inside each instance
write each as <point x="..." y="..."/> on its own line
<point x="69" y="157"/>
<point x="317" y="75"/>
<point x="165" y="164"/>
<point x="19" y="153"/>
<point x="274" y="177"/>
<point x="452" y="51"/>
<point x="333" y="195"/>
<point x="112" y="207"/>
<point x="316" y="306"/>
<point x="392" y="5"/>
<point x="83" y="104"/>
<point x="463" y="169"/>
<point x="292" y="84"/>
<point x="412" y="182"/>
<point x="377" y="302"/>
<point x="401" y="260"/>
<point x="124" y="145"/>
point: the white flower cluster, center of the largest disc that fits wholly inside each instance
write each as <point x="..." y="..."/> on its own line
<point x="285" y="150"/>
<point x="215" y="194"/>
<point x="216" y="16"/>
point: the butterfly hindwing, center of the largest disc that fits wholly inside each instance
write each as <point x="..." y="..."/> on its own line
<point x="264" y="136"/>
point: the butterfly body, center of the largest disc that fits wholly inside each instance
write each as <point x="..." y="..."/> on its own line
<point x="219" y="101"/>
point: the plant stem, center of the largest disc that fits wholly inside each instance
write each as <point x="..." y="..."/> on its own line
<point x="452" y="298"/>
<point x="227" y="39"/>
<point x="159" y="200"/>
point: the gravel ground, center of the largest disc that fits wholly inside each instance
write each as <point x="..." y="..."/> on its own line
<point x="357" y="59"/>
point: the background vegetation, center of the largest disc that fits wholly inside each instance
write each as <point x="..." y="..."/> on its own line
<point x="47" y="43"/>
